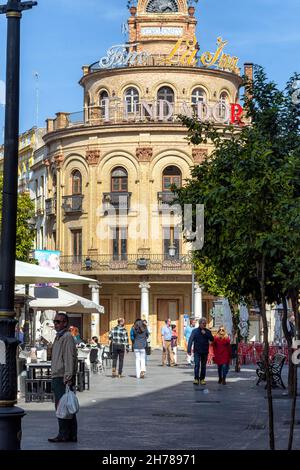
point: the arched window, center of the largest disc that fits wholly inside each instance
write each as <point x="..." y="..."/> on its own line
<point x="119" y="180"/>
<point x="165" y="93"/>
<point x="76" y="182"/>
<point x="171" y="176"/>
<point x="198" y="95"/>
<point x="103" y="102"/>
<point x="131" y="99"/>
<point x="223" y="102"/>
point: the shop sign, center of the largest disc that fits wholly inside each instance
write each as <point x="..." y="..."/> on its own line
<point x="164" y="111"/>
<point x="183" y="53"/>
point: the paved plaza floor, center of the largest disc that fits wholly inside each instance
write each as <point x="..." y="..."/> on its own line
<point x="166" y="411"/>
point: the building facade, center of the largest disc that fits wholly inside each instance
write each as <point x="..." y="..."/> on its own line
<point x="110" y="168"/>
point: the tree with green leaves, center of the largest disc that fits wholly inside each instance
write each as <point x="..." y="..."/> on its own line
<point x="246" y="188"/>
<point x="25" y="232"/>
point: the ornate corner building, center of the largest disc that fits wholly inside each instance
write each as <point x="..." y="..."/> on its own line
<point x="110" y="167"/>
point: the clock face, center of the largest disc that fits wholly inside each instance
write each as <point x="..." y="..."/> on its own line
<point x="162" y="6"/>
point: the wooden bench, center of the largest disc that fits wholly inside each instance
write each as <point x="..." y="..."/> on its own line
<point x="275" y="368"/>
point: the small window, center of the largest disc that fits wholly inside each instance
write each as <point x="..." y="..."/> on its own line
<point x="76" y="182"/>
<point x="224" y="101"/>
<point x="119" y="180"/>
<point x="131" y="100"/>
<point x="198" y="95"/>
<point x="171" y="176"/>
<point x="103" y="102"/>
<point x="165" y="93"/>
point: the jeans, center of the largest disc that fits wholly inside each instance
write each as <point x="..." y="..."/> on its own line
<point x="140" y="361"/>
<point x="118" y="352"/>
<point x="200" y="358"/>
<point x="223" y="371"/>
<point x="67" y="427"/>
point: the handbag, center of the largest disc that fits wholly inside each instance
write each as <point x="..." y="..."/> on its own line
<point x="148" y="350"/>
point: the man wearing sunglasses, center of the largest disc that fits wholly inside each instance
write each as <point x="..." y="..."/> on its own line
<point x="200" y="338"/>
<point x="63" y="371"/>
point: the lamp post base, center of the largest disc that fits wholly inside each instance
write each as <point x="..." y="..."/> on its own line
<point x="10" y="428"/>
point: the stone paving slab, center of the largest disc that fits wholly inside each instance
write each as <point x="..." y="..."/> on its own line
<point x="165" y="411"/>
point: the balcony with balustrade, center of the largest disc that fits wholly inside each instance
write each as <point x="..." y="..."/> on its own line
<point x="50" y="207"/>
<point x="73" y="204"/>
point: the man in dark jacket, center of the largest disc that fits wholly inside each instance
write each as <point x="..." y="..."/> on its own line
<point x="200" y="338"/>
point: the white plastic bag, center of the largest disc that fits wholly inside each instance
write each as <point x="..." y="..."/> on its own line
<point x="68" y="405"/>
<point x="72" y="402"/>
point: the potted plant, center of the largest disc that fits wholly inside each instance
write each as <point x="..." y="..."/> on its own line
<point x="131" y="5"/>
<point x="191" y="6"/>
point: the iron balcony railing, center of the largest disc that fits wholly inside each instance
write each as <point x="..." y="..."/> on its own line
<point x="39" y="205"/>
<point x="118" y="201"/>
<point x="50" y="206"/>
<point x="133" y="262"/>
<point x="72" y="204"/>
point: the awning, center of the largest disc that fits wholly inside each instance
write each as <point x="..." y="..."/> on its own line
<point x="53" y="298"/>
<point x="27" y="273"/>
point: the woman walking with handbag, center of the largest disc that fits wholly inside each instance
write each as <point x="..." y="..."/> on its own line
<point x="140" y="333"/>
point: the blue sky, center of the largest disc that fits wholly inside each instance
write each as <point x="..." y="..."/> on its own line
<point x="59" y="36"/>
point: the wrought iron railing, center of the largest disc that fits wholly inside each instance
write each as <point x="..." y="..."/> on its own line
<point x="118" y="201"/>
<point x="134" y="262"/>
<point x="50" y="206"/>
<point x="72" y="204"/>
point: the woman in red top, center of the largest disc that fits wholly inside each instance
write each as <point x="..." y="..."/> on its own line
<point x="222" y="353"/>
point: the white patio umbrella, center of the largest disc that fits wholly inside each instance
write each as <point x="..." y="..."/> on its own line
<point x="27" y="273"/>
<point x="244" y="317"/>
<point x="53" y="298"/>
<point x="227" y="317"/>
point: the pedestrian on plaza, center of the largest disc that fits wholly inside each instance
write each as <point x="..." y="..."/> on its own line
<point x="200" y="338"/>
<point x="119" y="343"/>
<point x="174" y="342"/>
<point x="187" y="334"/>
<point x="132" y="337"/>
<point x="222" y="353"/>
<point x="95" y="348"/>
<point x="75" y="333"/>
<point x="166" y="335"/>
<point x="63" y="371"/>
<point x="141" y="334"/>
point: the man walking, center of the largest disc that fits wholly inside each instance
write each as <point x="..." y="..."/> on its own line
<point x="166" y="336"/>
<point x="63" y="370"/>
<point x="187" y="334"/>
<point x="119" y="342"/>
<point x="200" y="338"/>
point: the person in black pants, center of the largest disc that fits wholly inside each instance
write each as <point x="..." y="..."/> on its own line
<point x="119" y="342"/>
<point x="200" y="338"/>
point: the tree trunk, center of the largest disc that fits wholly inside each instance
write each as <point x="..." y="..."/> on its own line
<point x="289" y="341"/>
<point x="261" y="276"/>
<point x="295" y="303"/>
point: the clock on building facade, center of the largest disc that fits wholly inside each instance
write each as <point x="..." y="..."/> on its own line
<point x="162" y="6"/>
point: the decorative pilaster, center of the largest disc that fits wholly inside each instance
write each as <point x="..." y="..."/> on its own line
<point x="144" y="154"/>
<point x="95" y="323"/>
<point x="199" y="154"/>
<point x="145" y="304"/>
<point x="93" y="157"/>
<point x="198" y="301"/>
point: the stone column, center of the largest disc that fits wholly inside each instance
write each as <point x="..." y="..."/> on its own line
<point x="198" y="301"/>
<point x="95" y="323"/>
<point x="145" y="286"/>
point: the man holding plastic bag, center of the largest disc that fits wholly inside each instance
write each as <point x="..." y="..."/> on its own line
<point x="63" y="370"/>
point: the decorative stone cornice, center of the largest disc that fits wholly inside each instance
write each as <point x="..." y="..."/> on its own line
<point x="144" y="154"/>
<point x="59" y="159"/>
<point x="93" y="157"/>
<point x="199" y="154"/>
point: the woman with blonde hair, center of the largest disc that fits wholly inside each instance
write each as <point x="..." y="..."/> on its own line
<point x="222" y="353"/>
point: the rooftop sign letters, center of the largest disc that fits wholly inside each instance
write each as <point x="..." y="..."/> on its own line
<point x="184" y="53"/>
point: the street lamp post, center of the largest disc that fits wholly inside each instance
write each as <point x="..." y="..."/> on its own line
<point x="10" y="416"/>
